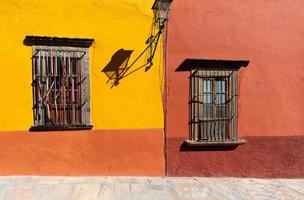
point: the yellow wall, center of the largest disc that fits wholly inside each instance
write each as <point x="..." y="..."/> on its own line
<point x="135" y="103"/>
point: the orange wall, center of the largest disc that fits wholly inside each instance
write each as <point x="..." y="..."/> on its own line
<point x="79" y="153"/>
<point x="269" y="34"/>
<point x="136" y="103"/>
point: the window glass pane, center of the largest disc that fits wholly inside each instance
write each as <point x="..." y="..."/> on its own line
<point x="220" y="99"/>
<point x="207" y="86"/>
<point x="223" y="86"/>
<point x="220" y="86"/>
<point x="220" y="92"/>
<point x="223" y="98"/>
<point x="221" y="111"/>
<point x="207" y="111"/>
<point x="207" y="98"/>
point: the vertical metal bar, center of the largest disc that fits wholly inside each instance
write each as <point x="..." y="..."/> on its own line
<point x="54" y="106"/>
<point x="218" y="112"/>
<point x="222" y="107"/>
<point x="56" y="90"/>
<point x="200" y="100"/>
<point x="76" y="89"/>
<point x="64" y="89"/>
<point x="196" y="106"/>
<point x="191" y="106"/>
<point x="224" y="101"/>
<point x="236" y="105"/>
<point x="59" y="88"/>
<point x="69" y="87"/>
<point x="34" y="88"/>
<point x="213" y="108"/>
<point x="206" y="106"/>
<point x="73" y="90"/>
<point x="48" y="86"/>
<point x="79" y="88"/>
<point x="202" y="122"/>
<point x="233" y="107"/>
<point x="44" y="121"/>
<point x="218" y="108"/>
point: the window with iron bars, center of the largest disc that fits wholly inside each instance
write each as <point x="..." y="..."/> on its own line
<point x="61" y="88"/>
<point x="213" y="105"/>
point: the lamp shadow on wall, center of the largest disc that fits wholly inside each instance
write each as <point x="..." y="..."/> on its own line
<point x="117" y="66"/>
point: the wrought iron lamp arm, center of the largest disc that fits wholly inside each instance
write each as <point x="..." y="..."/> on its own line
<point x="150" y="59"/>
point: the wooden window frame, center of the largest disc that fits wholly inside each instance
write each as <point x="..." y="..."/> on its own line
<point x="212" y="68"/>
<point x="213" y="130"/>
<point x="85" y="122"/>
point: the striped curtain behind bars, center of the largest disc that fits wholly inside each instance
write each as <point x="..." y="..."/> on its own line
<point x="57" y="84"/>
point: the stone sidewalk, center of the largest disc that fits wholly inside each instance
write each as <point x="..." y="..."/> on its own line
<point x="141" y="188"/>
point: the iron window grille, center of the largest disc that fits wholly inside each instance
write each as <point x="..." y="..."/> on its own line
<point x="61" y="87"/>
<point x="213" y="105"/>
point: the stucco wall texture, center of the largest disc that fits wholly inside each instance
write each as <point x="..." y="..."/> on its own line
<point x="133" y="108"/>
<point x="270" y="35"/>
<point x="120" y="24"/>
<point x="83" y="153"/>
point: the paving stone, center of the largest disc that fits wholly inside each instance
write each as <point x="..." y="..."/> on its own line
<point x="74" y="180"/>
<point x="146" y="188"/>
<point x="16" y="192"/>
<point x="23" y="180"/>
<point x="191" y="192"/>
<point x="95" y="179"/>
<point x="85" y="191"/>
<point x="184" y="181"/>
<point x="158" y="181"/>
<point x="62" y="192"/>
<point x="142" y="180"/>
<point x="119" y="180"/>
<point x="49" y="180"/>
<point x="43" y="192"/>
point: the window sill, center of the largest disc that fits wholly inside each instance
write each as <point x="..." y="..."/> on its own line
<point x="215" y="143"/>
<point x="61" y="128"/>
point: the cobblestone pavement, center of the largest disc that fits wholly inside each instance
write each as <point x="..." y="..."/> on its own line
<point x="141" y="188"/>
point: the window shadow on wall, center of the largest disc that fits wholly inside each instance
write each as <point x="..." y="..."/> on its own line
<point x="117" y="66"/>
<point x="185" y="147"/>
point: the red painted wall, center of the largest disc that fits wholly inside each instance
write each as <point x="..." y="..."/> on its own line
<point x="267" y="33"/>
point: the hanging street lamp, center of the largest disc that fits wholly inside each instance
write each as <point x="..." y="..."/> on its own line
<point x="161" y="11"/>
